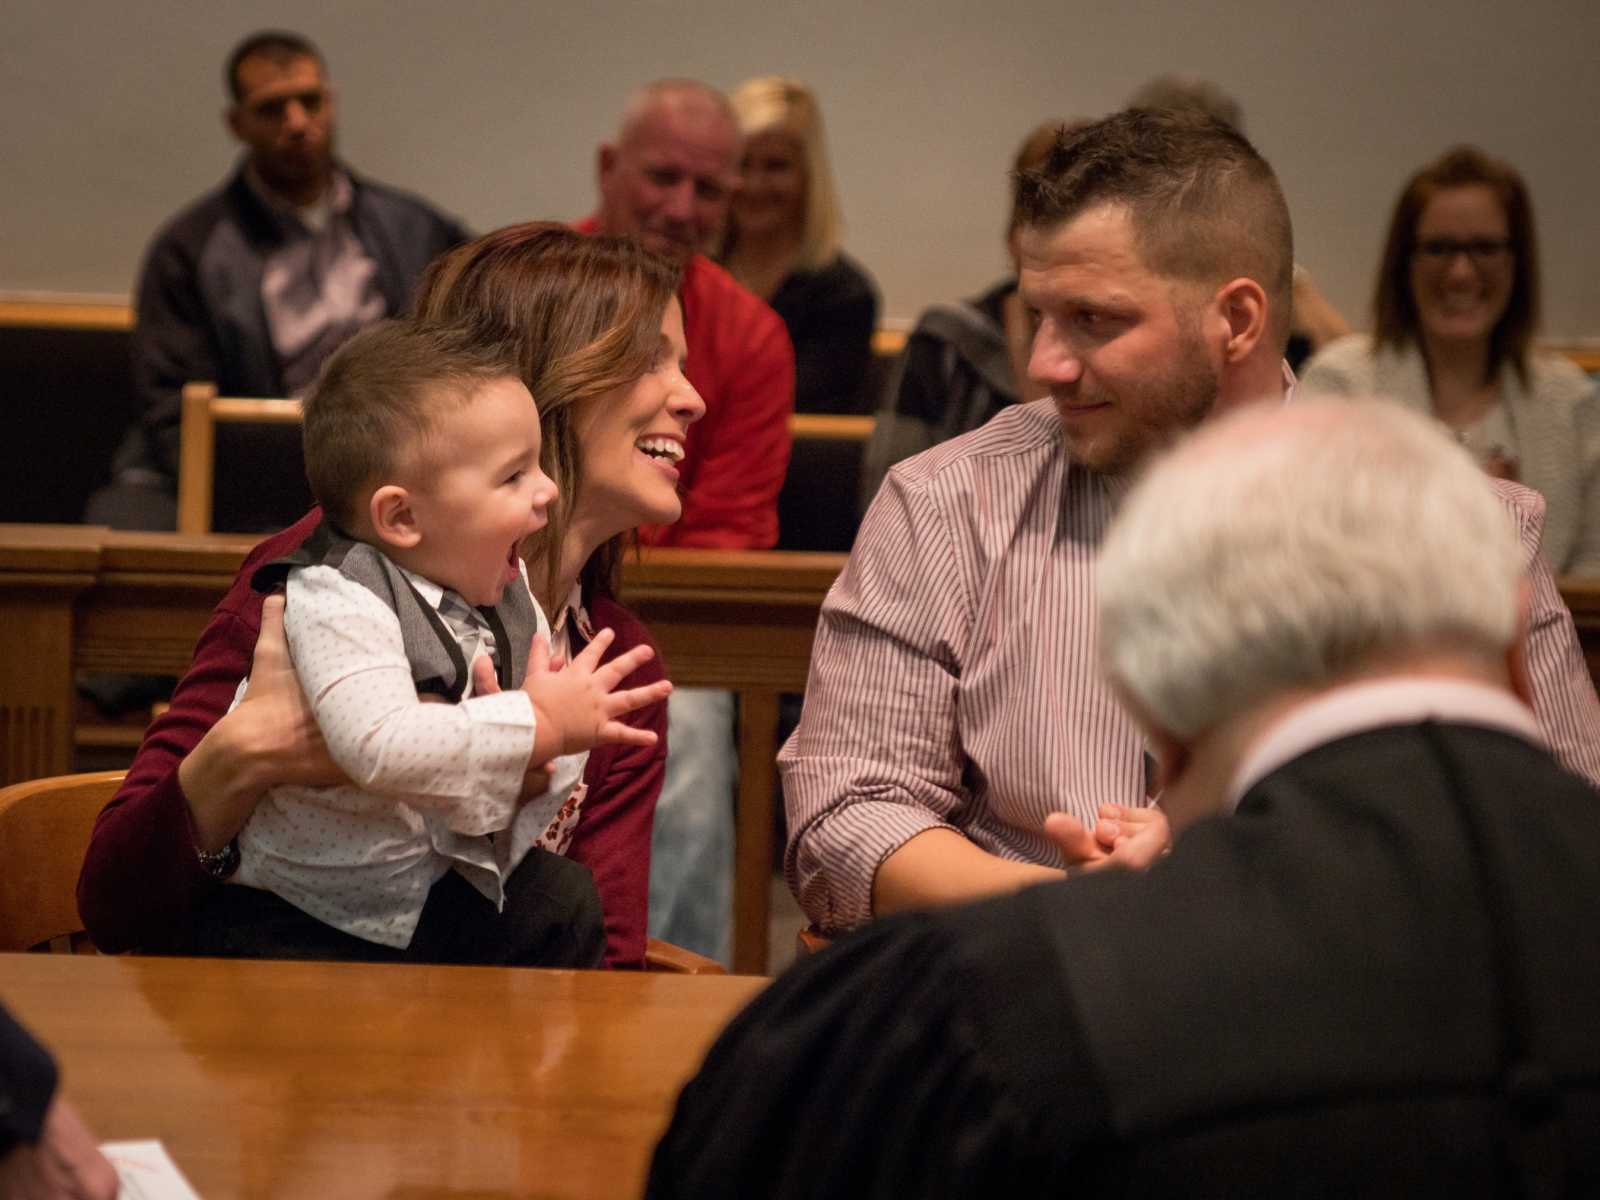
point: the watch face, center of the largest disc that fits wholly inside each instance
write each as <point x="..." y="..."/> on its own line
<point x="222" y="863"/>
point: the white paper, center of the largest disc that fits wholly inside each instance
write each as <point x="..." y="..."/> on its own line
<point x="147" y="1172"/>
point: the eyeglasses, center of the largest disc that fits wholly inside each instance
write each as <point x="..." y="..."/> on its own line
<point x="1482" y="251"/>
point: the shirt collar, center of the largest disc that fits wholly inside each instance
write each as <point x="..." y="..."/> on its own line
<point x="336" y="200"/>
<point x="430" y="591"/>
<point x="1359" y="707"/>
<point x="573" y="606"/>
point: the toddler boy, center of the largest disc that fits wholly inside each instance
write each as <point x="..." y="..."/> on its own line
<point x="422" y="447"/>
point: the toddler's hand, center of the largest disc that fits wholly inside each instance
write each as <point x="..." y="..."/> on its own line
<point x="576" y="707"/>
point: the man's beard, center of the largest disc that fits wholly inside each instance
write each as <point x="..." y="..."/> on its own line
<point x="1155" y="415"/>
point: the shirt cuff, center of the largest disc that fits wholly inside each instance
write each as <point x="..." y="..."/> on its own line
<point x="838" y="858"/>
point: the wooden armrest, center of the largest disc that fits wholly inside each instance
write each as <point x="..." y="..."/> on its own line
<point x="664" y="956"/>
<point x="808" y="941"/>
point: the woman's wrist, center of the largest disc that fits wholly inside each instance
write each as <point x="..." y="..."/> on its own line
<point x="222" y="778"/>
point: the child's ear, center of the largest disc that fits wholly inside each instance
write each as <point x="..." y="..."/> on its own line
<point x="394" y="522"/>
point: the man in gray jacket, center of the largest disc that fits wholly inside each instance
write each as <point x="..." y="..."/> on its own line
<point x="255" y="284"/>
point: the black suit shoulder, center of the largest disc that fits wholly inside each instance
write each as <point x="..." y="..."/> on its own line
<point x="1311" y="981"/>
<point x="27" y="1082"/>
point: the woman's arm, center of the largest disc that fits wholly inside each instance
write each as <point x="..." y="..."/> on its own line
<point x="141" y="876"/>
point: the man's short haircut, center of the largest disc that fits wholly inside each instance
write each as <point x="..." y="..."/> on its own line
<point x="1035" y="148"/>
<point x="1395" y="320"/>
<point x="1206" y="208"/>
<point x="278" y="46"/>
<point x="1192" y="94"/>
<point x="378" y="401"/>
<point x="1291" y="547"/>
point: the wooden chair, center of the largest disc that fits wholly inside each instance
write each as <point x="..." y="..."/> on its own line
<point x="819" y="501"/>
<point x="44" y="831"/>
<point x="203" y="411"/>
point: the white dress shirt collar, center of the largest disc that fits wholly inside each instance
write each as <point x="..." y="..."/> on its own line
<point x="1375" y="705"/>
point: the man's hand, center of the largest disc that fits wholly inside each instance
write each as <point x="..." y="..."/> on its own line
<point x="1121" y="837"/>
<point x="65" y="1164"/>
<point x="577" y="706"/>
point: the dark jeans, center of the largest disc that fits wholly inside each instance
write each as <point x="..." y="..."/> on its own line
<point x="551" y="918"/>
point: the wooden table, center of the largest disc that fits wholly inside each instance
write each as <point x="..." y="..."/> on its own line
<point x="327" y="1079"/>
<point x="76" y="597"/>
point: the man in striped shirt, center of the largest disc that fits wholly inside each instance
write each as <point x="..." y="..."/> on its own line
<point x="955" y="705"/>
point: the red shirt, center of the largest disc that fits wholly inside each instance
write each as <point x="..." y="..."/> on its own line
<point x="742" y="364"/>
<point x="141" y="880"/>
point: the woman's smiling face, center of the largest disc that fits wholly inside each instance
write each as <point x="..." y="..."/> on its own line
<point x="633" y="439"/>
<point x="1462" y="264"/>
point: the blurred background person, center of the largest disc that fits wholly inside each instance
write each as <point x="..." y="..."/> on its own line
<point x="46" y="1151"/>
<point x="963" y="362"/>
<point x="1315" y="321"/>
<point x="255" y="284"/>
<point x="782" y="243"/>
<point x="1455" y="312"/>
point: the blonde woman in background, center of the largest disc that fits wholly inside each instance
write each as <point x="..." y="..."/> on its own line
<point x="782" y="242"/>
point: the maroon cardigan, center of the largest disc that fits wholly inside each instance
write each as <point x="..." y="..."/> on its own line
<point x="141" y="881"/>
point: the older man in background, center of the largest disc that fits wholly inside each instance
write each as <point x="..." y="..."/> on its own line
<point x="668" y="178"/>
<point x="1365" y="968"/>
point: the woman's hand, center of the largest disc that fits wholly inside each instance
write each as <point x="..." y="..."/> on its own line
<point x="271" y="738"/>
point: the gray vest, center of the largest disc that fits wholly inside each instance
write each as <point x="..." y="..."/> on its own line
<point x="438" y="667"/>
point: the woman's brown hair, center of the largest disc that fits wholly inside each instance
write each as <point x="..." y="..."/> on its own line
<point x="1395" y="321"/>
<point x="584" y="316"/>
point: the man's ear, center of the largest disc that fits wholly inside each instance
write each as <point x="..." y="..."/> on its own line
<point x="1241" y="306"/>
<point x="605" y="160"/>
<point x="394" y="521"/>
<point x="230" y="118"/>
<point x="1517" y="652"/>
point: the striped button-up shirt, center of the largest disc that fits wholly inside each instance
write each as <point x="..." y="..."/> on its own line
<point x="954" y="680"/>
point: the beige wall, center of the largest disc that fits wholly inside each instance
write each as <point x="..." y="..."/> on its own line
<point x="110" y="112"/>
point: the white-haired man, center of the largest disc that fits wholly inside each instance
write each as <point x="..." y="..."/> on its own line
<point x="956" y="737"/>
<point x="668" y="178"/>
<point x="1367" y="966"/>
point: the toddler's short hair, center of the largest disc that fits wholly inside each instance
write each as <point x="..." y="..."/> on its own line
<point x="378" y="399"/>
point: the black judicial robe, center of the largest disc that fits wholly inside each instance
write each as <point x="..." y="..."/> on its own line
<point x="1380" y="977"/>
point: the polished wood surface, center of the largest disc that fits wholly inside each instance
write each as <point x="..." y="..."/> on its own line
<point x="76" y="597"/>
<point x="332" y="1079"/>
<point x="831" y="427"/>
<point x="65" y="312"/>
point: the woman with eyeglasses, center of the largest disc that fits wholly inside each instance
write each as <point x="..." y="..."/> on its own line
<point x="1456" y="308"/>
